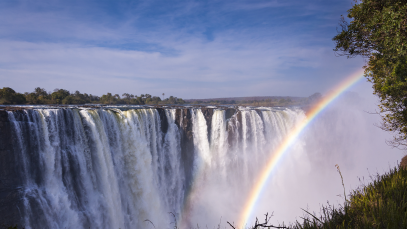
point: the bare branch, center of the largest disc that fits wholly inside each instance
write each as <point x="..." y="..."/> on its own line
<point x="231" y="225"/>
<point x="147" y="220"/>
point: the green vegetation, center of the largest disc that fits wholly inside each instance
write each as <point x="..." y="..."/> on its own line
<point x="61" y="96"/>
<point x="381" y="204"/>
<point x="9" y="96"/>
<point x="378" y="31"/>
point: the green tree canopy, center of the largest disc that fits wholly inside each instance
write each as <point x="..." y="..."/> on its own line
<point x="62" y="96"/>
<point x="9" y="96"/>
<point x="59" y="95"/>
<point x="378" y="31"/>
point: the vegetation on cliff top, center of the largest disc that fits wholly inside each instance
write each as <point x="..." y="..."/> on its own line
<point x="61" y="96"/>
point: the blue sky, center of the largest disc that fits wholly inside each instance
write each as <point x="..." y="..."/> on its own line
<point x="189" y="49"/>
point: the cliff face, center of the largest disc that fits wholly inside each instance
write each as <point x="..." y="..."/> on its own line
<point x="183" y="120"/>
<point x="11" y="206"/>
<point x="12" y="178"/>
<point x="164" y="121"/>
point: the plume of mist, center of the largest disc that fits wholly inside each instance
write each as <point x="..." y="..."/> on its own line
<point x="344" y="133"/>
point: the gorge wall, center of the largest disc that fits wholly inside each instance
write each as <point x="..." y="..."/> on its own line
<point x="116" y="167"/>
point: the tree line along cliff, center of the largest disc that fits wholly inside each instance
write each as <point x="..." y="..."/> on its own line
<point x="61" y="96"/>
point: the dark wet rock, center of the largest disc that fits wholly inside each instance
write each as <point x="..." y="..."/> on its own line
<point x="183" y="119"/>
<point x="12" y="109"/>
<point x="229" y="112"/>
<point x="11" y="206"/>
<point x="163" y="119"/>
<point x="259" y="112"/>
<point x="239" y="119"/>
<point x="208" y="113"/>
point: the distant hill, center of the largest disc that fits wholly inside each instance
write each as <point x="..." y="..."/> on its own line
<point x="257" y="100"/>
<point x="249" y="98"/>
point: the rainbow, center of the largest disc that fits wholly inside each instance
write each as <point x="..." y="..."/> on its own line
<point x="288" y="141"/>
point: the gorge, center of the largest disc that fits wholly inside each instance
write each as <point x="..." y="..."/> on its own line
<point x="116" y="167"/>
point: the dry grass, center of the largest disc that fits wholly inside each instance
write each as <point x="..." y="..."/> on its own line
<point x="380" y="204"/>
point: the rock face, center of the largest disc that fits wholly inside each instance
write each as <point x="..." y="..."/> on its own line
<point x="183" y="119"/>
<point x="163" y="118"/>
<point x="208" y="113"/>
<point x="11" y="206"/>
<point x="13" y="178"/>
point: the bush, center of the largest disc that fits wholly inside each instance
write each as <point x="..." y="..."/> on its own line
<point x="381" y="204"/>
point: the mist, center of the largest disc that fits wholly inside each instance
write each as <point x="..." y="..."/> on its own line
<point x="119" y="166"/>
<point x="346" y="133"/>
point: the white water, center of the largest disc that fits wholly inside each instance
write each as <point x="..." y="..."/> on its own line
<point x="112" y="168"/>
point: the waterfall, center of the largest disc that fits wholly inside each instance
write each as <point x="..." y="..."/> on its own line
<point x="118" y="167"/>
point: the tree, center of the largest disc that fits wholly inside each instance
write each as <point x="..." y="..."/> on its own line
<point x="59" y="95"/>
<point x="140" y="99"/>
<point x="68" y="100"/>
<point x="9" y="96"/>
<point x="127" y="97"/>
<point x="108" y="98"/>
<point x="31" y="98"/>
<point x="19" y="98"/>
<point x="40" y="92"/>
<point x="378" y="31"/>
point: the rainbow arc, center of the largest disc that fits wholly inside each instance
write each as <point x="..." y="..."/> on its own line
<point x="277" y="154"/>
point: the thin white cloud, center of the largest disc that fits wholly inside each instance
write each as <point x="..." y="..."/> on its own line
<point x="250" y="5"/>
<point x="219" y="63"/>
<point x="54" y="49"/>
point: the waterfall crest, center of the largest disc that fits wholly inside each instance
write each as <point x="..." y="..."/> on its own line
<point x="116" y="168"/>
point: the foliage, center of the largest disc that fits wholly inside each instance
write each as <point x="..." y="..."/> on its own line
<point x="59" y="95"/>
<point x="130" y="99"/>
<point x="378" y="31"/>
<point x="173" y="100"/>
<point x="381" y="204"/>
<point x="9" y="96"/>
<point x="62" y="96"/>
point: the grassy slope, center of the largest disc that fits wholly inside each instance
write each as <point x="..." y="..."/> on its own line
<point x="380" y="204"/>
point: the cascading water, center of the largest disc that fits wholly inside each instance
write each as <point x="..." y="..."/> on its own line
<point x="115" y="168"/>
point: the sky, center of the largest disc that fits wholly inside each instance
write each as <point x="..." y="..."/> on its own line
<point x="185" y="48"/>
